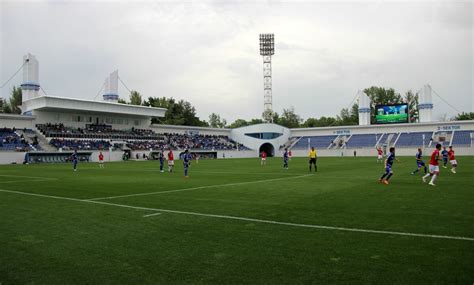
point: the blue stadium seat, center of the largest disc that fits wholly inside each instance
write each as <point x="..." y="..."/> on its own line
<point x="362" y="140"/>
<point x="316" y="141"/>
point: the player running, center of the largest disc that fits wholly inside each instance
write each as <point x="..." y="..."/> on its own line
<point x="161" y="157"/>
<point x="170" y="160"/>
<point x="379" y="154"/>
<point x="434" y="166"/>
<point x="74" y="160"/>
<point x="419" y="162"/>
<point x="445" y="157"/>
<point x="313" y="156"/>
<point x="388" y="166"/>
<point x="452" y="159"/>
<point x="101" y="160"/>
<point x="186" y="162"/>
<point x="286" y="157"/>
<point x="264" y="158"/>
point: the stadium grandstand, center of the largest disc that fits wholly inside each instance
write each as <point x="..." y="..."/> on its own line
<point x="50" y="124"/>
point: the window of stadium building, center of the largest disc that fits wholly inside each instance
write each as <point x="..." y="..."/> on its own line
<point x="264" y="136"/>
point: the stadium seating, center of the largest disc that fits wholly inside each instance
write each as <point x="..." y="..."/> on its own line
<point x="183" y="141"/>
<point x="68" y="144"/>
<point x="316" y="141"/>
<point x="366" y="140"/>
<point x="462" y="138"/>
<point x="95" y="137"/>
<point x="414" y="139"/>
<point x="100" y="131"/>
<point x="11" y="141"/>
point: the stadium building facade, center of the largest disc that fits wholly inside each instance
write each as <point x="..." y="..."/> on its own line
<point x="53" y="124"/>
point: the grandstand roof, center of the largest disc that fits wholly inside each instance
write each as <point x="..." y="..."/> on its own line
<point x="63" y="104"/>
<point x="16" y="117"/>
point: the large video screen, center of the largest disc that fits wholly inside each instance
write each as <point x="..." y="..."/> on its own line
<point x="391" y="114"/>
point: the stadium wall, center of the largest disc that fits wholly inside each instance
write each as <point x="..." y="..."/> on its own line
<point x="17" y="121"/>
<point x="81" y="119"/>
<point x="379" y="129"/>
<point x="242" y="135"/>
<point x="460" y="151"/>
<point x="9" y="157"/>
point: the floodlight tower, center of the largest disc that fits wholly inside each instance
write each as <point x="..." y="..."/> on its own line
<point x="267" y="49"/>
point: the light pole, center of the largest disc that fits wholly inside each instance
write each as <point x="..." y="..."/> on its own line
<point x="267" y="49"/>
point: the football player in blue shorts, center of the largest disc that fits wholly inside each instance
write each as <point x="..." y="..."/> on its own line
<point x="285" y="159"/>
<point x="186" y="161"/>
<point x="444" y="153"/>
<point x="419" y="162"/>
<point x="388" y="166"/>
<point x="161" y="157"/>
<point x="74" y="160"/>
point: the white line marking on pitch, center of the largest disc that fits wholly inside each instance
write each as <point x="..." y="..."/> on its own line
<point x="197" y="188"/>
<point x="250" y="219"/>
<point x="151" y="215"/>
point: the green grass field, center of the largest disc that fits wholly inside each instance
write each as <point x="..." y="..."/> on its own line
<point x="234" y="221"/>
<point x="392" y="118"/>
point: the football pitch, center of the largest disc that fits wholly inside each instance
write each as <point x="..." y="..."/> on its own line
<point x="234" y="221"/>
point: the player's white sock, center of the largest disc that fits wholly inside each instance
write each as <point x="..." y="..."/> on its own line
<point x="433" y="179"/>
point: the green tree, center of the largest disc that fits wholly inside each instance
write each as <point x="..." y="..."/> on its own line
<point x="275" y="118"/>
<point x="354" y="114"/>
<point x="321" y="122"/>
<point x="215" y="121"/>
<point x="238" y="123"/>
<point x="256" y="121"/>
<point x="121" y="101"/>
<point x="1" y="105"/>
<point x="16" y="100"/>
<point x="289" y="118"/>
<point x="159" y="102"/>
<point x="382" y="96"/>
<point x="177" y="113"/>
<point x="464" y="116"/>
<point x="189" y="115"/>
<point x="412" y="100"/>
<point x="6" y="107"/>
<point x="135" y="98"/>
<point x="345" y="118"/>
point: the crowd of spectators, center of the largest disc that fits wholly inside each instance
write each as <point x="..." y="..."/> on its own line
<point x="10" y="140"/>
<point x="184" y="141"/>
<point x="95" y="131"/>
<point x="98" y="136"/>
<point x="202" y="142"/>
<point x="68" y="144"/>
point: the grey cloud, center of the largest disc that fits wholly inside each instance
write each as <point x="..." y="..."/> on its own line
<point x="207" y="52"/>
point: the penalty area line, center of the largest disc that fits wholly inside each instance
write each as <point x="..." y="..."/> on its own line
<point x="197" y="188"/>
<point x="236" y="218"/>
<point x="151" y="215"/>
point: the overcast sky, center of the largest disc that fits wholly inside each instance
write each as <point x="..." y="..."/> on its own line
<point x="208" y="52"/>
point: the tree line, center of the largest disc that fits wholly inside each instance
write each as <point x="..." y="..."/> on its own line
<point x="180" y="112"/>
